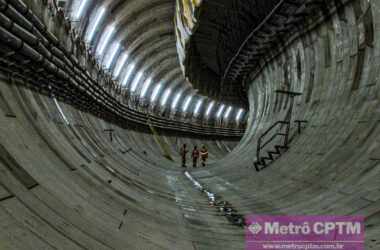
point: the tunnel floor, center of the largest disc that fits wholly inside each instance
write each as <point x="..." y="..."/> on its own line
<point x="69" y="186"/>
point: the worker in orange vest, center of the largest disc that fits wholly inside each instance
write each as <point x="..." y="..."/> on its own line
<point x="204" y="155"/>
<point x="184" y="152"/>
<point x="195" y="156"/>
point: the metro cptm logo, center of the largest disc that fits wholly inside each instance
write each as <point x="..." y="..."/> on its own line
<point x="304" y="232"/>
<point x="255" y="228"/>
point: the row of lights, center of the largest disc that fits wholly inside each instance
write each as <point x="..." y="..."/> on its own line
<point x="115" y="52"/>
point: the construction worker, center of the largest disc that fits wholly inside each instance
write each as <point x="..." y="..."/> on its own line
<point x="195" y="156"/>
<point x="184" y="152"/>
<point x="204" y="155"/>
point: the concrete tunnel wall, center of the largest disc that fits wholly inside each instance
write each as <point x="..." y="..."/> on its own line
<point x="70" y="187"/>
<point x="333" y="166"/>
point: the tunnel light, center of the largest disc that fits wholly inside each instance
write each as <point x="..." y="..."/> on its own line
<point x="136" y="81"/>
<point x="209" y="108"/>
<point x="78" y="12"/>
<point x="227" y="114"/>
<point x="155" y="93"/>
<point x="104" y="40"/>
<point x="176" y="100"/>
<point x="93" y="26"/>
<point x="120" y="64"/>
<point x="145" y="87"/>
<point x="198" y="106"/>
<point x="165" y="97"/>
<point x="187" y="103"/>
<point x="219" y="113"/>
<point x="239" y="115"/>
<point x="128" y="75"/>
<point x="111" y="55"/>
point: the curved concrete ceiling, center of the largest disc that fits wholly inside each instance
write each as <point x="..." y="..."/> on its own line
<point x="142" y="31"/>
<point x="222" y="26"/>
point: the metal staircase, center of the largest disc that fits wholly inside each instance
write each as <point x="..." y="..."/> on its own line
<point x="278" y="149"/>
<point x="274" y="142"/>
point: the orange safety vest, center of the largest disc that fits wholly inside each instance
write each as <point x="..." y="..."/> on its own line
<point x="183" y="152"/>
<point x="195" y="153"/>
<point x="204" y="154"/>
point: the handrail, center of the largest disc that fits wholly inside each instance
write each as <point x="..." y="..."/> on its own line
<point x="271" y="139"/>
<point x="259" y="146"/>
<point x="271" y="127"/>
<point x="277" y="148"/>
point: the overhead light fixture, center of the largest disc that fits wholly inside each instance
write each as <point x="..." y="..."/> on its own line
<point x="209" y="108"/>
<point x="145" y="87"/>
<point x="94" y="25"/>
<point x="104" y="40"/>
<point x="120" y="64"/>
<point x="111" y="55"/>
<point x="77" y="13"/>
<point x="219" y="113"/>
<point x="155" y="93"/>
<point x="136" y="81"/>
<point x="166" y="97"/>
<point x="239" y="115"/>
<point x="131" y="67"/>
<point x="187" y="103"/>
<point x="227" y="114"/>
<point x="198" y="106"/>
<point x="176" y="100"/>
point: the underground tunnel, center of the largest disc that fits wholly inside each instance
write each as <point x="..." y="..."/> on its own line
<point x="98" y="97"/>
